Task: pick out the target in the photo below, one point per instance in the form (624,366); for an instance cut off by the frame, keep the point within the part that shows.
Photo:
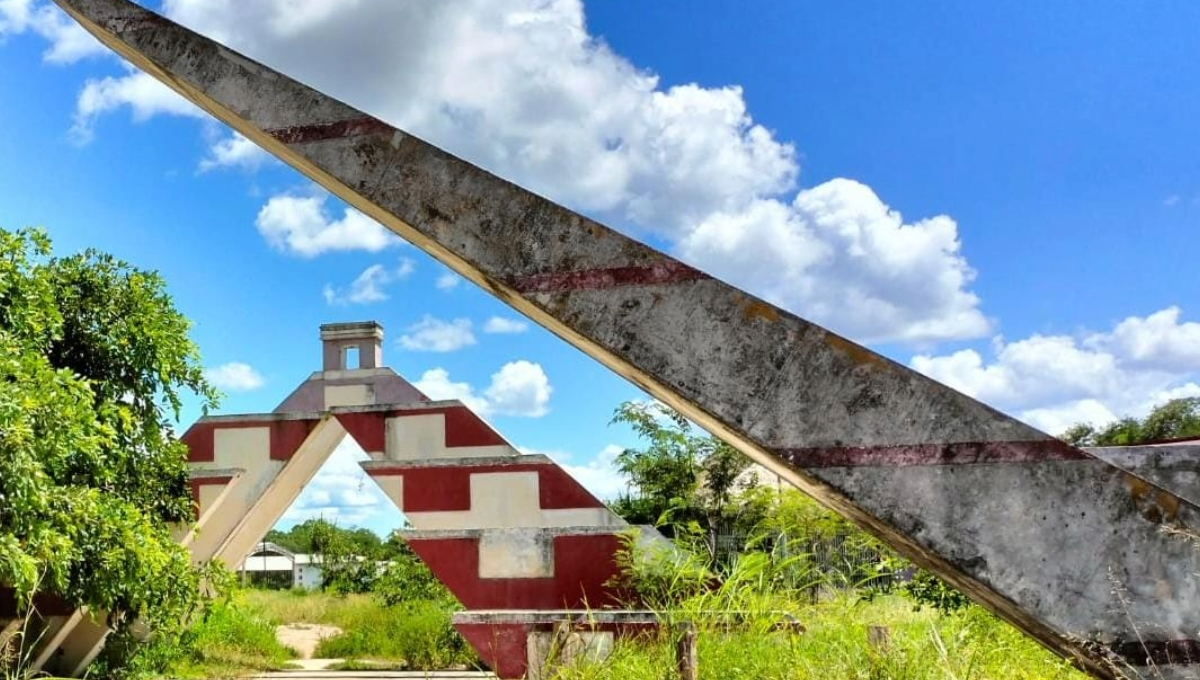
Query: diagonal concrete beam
(1066,546)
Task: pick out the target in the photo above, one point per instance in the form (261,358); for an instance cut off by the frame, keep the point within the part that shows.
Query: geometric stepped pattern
(504,531)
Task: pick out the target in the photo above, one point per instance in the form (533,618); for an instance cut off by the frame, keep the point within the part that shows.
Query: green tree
(680,477)
(1176,419)
(95,362)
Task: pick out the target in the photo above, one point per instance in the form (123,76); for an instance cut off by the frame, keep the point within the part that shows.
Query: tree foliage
(95,362)
(680,477)
(1176,419)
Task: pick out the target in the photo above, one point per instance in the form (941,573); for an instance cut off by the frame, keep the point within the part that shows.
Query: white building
(277,567)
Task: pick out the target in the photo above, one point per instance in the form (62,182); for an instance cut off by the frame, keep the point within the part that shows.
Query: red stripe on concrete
(501,646)
(285,437)
(504,646)
(558,490)
(447,488)
(976,453)
(463,427)
(582,567)
(664,272)
(367,429)
(199,440)
(357,127)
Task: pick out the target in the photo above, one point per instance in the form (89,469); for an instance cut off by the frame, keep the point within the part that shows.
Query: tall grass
(414,635)
(233,638)
(738,615)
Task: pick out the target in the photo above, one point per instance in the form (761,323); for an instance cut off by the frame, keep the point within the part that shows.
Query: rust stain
(859,355)
(760,310)
(1153,503)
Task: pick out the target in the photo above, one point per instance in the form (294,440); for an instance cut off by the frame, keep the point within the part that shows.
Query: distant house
(273,566)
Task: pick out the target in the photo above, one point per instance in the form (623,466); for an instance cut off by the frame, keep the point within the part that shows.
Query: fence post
(685,652)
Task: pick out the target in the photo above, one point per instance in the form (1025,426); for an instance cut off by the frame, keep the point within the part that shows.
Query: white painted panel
(349,395)
(515,554)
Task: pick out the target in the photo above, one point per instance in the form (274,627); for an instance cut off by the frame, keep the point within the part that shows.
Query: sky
(1003,196)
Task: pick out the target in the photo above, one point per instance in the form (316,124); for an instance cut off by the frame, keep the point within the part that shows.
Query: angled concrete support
(1064,545)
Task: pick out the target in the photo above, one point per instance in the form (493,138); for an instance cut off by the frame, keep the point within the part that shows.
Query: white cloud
(1053,382)
(370,285)
(141,93)
(521,88)
(519,388)
(432,334)
(502,325)
(1171,201)
(448,281)
(235,377)
(1157,341)
(841,257)
(234,151)
(302,226)
(68,41)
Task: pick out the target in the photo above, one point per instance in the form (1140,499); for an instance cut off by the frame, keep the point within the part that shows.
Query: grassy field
(922,645)
(237,639)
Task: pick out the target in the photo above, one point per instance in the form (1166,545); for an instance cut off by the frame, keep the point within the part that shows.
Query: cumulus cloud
(1056,381)
(235,377)
(68,41)
(520,388)
(448,281)
(142,94)
(840,256)
(370,286)
(523,89)
(301,225)
(432,334)
(501,325)
(234,151)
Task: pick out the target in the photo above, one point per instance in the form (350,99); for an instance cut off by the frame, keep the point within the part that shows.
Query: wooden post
(880,639)
(685,652)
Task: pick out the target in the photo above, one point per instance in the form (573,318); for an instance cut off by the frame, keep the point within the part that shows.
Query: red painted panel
(558,490)
(582,567)
(199,440)
(445,488)
(504,646)
(464,428)
(287,436)
(501,646)
(366,428)
(437,489)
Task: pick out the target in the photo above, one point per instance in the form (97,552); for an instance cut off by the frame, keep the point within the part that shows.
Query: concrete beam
(1064,545)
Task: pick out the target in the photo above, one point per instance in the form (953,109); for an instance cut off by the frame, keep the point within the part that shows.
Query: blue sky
(1003,196)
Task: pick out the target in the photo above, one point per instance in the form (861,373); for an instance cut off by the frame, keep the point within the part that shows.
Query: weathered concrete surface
(1064,545)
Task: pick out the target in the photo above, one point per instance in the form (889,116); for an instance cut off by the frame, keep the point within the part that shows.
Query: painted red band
(502,646)
(972,453)
(662,272)
(583,565)
(357,127)
(285,436)
(447,488)
(463,427)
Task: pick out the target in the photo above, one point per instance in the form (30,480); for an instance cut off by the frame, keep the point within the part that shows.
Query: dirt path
(304,637)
